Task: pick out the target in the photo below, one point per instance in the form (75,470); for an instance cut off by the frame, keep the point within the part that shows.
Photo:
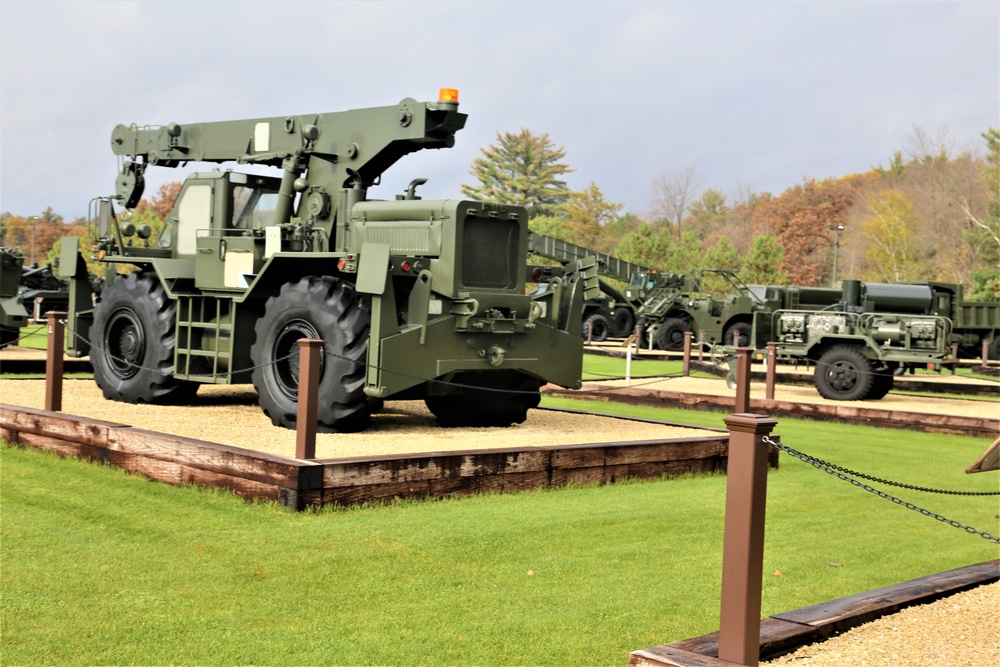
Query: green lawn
(101,567)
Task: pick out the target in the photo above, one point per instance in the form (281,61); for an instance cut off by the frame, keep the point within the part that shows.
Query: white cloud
(759,93)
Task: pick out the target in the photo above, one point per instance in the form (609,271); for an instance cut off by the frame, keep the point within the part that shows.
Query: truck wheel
(597,326)
(743,328)
(624,321)
(489,406)
(670,334)
(132,343)
(993,351)
(844,374)
(9,336)
(313,307)
(881,383)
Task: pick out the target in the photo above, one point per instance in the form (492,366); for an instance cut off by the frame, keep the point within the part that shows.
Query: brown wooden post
(638,339)
(743,543)
(772,362)
(687,353)
(742,380)
(986,352)
(954,358)
(310,350)
(736,337)
(701,345)
(54,361)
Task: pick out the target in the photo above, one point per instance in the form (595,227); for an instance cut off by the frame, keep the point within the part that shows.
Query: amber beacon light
(448,95)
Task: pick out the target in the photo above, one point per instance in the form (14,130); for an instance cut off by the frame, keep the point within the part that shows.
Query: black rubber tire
(462,406)
(745,331)
(993,351)
(624,322)
(596,328)
(9,336)
(132,343)
(844,374)
(881,384)
(670,334)
(314,307)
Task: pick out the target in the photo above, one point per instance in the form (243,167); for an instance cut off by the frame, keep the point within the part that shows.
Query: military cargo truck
(413,298)
(671,304)
(874,332)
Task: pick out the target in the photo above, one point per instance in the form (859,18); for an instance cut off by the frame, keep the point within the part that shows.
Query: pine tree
(521,169)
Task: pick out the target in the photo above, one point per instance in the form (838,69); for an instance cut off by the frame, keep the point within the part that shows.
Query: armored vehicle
(414,298)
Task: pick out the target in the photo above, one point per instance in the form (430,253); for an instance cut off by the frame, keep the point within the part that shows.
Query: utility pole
(836,250)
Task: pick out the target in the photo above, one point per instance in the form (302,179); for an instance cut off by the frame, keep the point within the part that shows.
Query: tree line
(931,214)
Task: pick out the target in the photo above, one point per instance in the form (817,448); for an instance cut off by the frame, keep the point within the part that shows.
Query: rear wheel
(844,374)
(485,398)
(596,328)
(670,334)
(744,331)
(132,343)
(323,308)
(624,321)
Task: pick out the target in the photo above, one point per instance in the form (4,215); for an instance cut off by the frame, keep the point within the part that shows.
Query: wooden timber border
(932,423)
(300,484)
(784,633)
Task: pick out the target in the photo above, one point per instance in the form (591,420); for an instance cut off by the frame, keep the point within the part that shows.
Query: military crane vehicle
(414,298)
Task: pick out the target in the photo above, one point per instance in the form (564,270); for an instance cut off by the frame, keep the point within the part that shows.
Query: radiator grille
(490,253)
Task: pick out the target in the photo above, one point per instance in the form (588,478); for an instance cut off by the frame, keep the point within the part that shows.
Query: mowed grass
(101,567)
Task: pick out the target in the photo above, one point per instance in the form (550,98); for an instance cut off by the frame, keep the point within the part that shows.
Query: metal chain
(163,372)
(21,336)
(879,480)
(344,358)
(835,471)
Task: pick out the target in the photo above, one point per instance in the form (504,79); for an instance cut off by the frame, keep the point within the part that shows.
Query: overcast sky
(756,95)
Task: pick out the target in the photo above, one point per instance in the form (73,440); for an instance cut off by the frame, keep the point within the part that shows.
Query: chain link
(21,336)
(836,472)
(370,366)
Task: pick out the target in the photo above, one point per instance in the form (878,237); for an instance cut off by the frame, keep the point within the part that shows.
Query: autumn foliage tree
(803,218)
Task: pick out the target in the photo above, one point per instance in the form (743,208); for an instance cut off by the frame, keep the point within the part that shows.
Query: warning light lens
(537,273)
(448,95)
(406,266)
(341,264)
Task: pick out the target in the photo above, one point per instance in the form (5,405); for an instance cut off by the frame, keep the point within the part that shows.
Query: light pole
(34,221)
(836,249)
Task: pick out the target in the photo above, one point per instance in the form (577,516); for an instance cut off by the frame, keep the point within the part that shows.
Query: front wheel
(323,308)
(624,321)
(670,334)
(133,340)
(844,374)
(596,328)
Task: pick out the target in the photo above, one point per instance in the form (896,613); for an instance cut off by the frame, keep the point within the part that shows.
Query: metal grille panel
(490,253)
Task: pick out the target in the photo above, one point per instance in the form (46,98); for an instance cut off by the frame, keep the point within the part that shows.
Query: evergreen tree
(763,264)
(521,169)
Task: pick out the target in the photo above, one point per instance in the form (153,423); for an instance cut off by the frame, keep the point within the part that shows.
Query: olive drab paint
(414,298)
